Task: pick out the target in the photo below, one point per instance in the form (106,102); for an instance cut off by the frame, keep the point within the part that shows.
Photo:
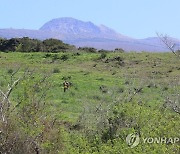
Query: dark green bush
(119,50)
(10,71)
(88,49)
(103,55)
(26,44)
(102,51)
(56,70)
(64,57)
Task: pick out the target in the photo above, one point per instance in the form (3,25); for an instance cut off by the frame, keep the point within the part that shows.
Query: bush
(88,49)
(26,127)
(64,57)
(26,44)
(54,45)
(55,57)
(56,70)
(102,51)
(47,55)
(66,77)
(119,50)
(103,55)
(10,71)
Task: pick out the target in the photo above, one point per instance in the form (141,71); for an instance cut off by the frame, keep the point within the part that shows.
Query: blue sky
(134,18)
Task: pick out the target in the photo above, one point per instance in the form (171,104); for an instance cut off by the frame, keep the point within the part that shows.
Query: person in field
(66,85)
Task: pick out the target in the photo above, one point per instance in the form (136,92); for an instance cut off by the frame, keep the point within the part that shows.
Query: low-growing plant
(64,57)
(56,70)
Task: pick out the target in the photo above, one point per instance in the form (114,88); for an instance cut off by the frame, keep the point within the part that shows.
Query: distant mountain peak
(60,24)
(81,33)
(71,28)
(75,28)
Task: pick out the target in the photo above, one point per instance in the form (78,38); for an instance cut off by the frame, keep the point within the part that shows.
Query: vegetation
(119,50)
(112,94)
(26,44)
(88,49)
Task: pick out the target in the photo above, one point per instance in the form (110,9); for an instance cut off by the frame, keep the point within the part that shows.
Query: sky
(133,18)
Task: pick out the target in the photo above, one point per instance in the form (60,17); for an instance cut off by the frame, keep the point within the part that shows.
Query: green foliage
(29,125)
(103,55)
(105,103)
(26,44)
(64,57)
(10,71)
(88,49)
(54,45)
(56,70)
(103,51)
(119,50)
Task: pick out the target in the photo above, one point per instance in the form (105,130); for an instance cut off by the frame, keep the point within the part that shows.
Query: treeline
(94,50)
(26,44)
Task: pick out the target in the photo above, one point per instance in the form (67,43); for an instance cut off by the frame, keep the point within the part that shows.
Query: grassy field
(112,95)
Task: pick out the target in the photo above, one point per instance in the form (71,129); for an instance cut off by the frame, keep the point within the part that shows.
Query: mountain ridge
(80,34)
(80,29)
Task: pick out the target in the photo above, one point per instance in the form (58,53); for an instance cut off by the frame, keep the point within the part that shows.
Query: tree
(26,44)
(54,45)
(169,43)
(88,49)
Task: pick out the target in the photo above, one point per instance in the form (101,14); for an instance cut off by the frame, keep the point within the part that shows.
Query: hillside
(81,33)
(111,96)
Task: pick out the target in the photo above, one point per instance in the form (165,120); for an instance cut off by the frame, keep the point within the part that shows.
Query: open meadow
(112,95)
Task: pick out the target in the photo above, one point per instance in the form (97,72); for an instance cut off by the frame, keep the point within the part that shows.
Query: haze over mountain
(82,33)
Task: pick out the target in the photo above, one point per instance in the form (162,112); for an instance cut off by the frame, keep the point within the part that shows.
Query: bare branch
(13,74)
(11,87)
(5,103)
(169,44)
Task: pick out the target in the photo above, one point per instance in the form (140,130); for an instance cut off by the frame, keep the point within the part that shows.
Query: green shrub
(119,50)
(26,44)
(10,71)
(56,70)
(103,55)
(64,57)
(88,49)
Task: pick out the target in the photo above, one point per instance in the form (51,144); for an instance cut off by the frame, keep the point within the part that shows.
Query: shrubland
(112,94)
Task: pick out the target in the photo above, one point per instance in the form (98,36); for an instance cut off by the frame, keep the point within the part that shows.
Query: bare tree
(5,103)
(169,43)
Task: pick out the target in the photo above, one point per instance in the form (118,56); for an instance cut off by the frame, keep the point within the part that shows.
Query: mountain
(77,29)
(82,33)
